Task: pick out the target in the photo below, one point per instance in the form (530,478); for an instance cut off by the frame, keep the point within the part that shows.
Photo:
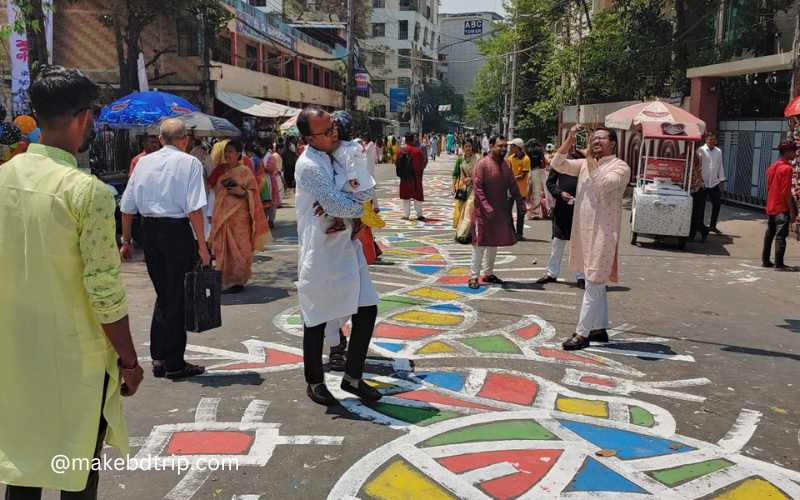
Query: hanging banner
(362,82)
(18,48)
(398,97)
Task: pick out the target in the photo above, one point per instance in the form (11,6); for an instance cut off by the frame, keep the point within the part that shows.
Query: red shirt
(134,161)
(779,187)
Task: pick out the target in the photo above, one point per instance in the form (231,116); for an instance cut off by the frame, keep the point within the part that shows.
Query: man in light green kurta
(63,311)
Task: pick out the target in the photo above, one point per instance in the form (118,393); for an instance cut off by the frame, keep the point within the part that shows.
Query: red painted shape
(453,280)
(210,443)
(607,382)
(277,358)
(273,358)
(389,331)
(532,465)
(529,332)
(430,250)
(432,397)
(509,388)
(566,356)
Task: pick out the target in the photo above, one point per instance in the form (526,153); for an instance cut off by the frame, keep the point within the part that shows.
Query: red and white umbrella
(653,112)
(793,108)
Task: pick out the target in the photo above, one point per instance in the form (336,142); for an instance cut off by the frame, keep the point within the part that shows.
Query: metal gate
(748,148)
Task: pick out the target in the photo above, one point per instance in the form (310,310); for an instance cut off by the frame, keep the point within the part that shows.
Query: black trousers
(520,205)
(777,229)
(360,337)
(90,491)
(714,195)
(698,212)
(170,251)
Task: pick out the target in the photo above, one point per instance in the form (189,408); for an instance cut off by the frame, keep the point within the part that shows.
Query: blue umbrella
(141,109)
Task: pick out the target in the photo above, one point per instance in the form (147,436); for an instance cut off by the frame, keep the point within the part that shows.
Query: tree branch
(161,77)
(158,53)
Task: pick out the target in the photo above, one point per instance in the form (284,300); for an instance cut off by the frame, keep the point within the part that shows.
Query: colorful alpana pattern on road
(498,434)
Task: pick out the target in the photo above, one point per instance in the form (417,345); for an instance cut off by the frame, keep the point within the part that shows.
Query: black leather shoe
(159,370)
(767,263)
(492,279)
(576,343)
(546,279)
(363,391)
(582,284)
(189,370)
(321,395)
(598,335)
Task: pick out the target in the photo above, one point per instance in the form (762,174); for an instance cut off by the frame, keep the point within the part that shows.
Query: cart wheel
(682,243)
(633,238)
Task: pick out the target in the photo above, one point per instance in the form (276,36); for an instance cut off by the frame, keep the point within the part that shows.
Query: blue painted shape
(446,380)
(627,445)
(595,476)
(390,346)
(445,307)
(427,269)
(398,238)
(466,289)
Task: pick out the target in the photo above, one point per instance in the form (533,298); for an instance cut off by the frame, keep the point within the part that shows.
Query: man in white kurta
(333,278)
(602,179)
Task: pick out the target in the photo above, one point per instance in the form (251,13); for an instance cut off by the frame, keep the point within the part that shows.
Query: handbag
(202,299)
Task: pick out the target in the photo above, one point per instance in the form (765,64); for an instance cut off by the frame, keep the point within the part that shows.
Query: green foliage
(435,95)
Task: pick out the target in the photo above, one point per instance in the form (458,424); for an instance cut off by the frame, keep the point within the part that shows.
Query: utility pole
(349,88)
(205,50)
(512,99)
(503,130)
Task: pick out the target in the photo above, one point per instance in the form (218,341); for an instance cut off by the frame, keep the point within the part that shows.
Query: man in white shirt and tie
(168,190)
(713,176)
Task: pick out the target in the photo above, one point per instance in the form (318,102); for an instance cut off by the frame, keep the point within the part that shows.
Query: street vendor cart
(662,204)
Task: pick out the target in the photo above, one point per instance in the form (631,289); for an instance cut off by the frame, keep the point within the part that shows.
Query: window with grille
(378,4)
(222,50)
(188,41)
(404,58)
(288,68)
(273,63)
(379,86)
(378,29)
(303,73)
(327,79)
(315,77)
(416,32)
(251,58)
(404,82)
(425,38)
(402,33)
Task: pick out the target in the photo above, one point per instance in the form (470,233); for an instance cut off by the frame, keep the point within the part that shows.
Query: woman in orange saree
(239,227)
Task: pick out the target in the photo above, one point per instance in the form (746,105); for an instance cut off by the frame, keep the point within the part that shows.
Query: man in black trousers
(168,190)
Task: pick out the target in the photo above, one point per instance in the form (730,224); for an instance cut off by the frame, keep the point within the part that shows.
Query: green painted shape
(676,476)
(408,244)
(294,319)
(494,431)
(391,303)
(640,416)
(414,415)
(494,343)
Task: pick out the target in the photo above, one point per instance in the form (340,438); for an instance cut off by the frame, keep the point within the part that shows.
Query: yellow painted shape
(400,253)
(436,348)
(583,407)
(435,256)
(401,482)
(752,489)
(377,384)
(458,271)
(428,318)
(433,293)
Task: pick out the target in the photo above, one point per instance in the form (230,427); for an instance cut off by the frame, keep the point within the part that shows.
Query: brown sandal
(473,283)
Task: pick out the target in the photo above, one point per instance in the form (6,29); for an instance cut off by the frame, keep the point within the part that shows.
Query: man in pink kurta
(602,179)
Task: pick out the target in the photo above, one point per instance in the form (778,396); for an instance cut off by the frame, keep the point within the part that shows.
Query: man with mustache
(602,179)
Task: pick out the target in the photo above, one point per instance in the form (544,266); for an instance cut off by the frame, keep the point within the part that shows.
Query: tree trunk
(119,39)
(37,38)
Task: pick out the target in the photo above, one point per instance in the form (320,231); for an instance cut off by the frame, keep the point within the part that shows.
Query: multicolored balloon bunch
(18,135)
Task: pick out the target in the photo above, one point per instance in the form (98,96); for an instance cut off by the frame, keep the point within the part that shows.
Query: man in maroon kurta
(411,189)
(492,181)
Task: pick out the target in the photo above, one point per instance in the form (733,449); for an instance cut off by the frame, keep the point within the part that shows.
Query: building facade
(400,56)
(459,54)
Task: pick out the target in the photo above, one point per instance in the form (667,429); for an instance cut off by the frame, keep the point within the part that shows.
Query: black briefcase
(203,292)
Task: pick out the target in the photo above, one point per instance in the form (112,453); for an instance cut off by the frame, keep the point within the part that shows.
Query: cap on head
(518,143)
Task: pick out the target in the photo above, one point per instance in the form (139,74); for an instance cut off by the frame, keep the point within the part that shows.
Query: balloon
(35,136)
(9,134)
(26,123)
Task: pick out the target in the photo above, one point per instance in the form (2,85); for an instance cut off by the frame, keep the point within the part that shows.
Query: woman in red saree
(239,227)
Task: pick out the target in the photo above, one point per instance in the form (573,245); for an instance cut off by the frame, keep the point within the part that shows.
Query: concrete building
(400,57)
(460,34)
